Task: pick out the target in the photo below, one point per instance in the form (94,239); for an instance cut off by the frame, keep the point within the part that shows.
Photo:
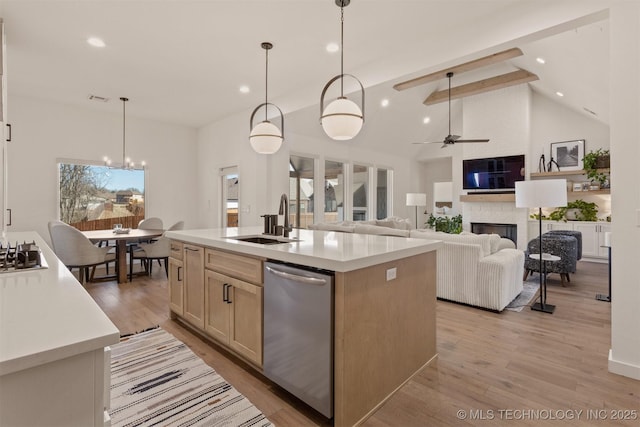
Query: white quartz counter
(328,250)
(46,314)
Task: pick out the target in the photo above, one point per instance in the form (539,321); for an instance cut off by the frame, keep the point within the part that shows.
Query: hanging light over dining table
(126,161)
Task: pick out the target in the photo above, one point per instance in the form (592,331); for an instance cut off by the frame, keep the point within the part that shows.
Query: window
(94,197)
(301,197)
(333,191)
(230,182)
(382,193)
(360,191)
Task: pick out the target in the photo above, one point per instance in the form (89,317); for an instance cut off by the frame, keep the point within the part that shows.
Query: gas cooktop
(21,257)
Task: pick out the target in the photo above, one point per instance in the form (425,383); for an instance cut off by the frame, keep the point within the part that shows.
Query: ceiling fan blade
(453,137)
(472,140)
(427,142)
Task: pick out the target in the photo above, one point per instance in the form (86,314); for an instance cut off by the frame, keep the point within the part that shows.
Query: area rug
(157,380)
(529,290)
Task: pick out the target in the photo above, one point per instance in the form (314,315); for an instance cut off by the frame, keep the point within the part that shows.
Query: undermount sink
(261,240)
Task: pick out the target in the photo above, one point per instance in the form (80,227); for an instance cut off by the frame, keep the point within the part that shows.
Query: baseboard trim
(622,368)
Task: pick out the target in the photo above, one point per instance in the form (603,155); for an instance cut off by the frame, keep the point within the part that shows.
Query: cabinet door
(245,336)
(176,275)
(590,243)
(217,318)
(603,251)
(559,225)
(193,260)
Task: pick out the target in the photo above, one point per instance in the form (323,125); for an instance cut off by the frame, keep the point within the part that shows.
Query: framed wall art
(567,155)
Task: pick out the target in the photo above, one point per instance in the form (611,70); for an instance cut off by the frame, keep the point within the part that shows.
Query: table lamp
(416,199)
(538,194)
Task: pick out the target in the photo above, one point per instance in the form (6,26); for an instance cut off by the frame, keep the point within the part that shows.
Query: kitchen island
(53,366)
(384,302)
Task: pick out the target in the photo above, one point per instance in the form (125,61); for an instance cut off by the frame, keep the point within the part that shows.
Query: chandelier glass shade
(342,119)
(265,137)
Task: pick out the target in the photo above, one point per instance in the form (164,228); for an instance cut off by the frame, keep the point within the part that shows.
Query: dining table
(121,239)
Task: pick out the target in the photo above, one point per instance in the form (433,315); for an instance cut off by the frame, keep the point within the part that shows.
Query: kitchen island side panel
(385,332)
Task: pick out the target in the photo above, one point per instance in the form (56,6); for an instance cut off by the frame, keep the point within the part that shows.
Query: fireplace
(508,231)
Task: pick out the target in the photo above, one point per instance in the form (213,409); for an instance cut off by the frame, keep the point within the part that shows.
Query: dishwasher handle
(302,279)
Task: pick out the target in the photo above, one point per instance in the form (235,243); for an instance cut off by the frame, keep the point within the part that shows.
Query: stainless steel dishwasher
(298,333)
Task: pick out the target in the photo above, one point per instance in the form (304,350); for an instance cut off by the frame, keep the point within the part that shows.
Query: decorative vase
(603,162)
(572,214)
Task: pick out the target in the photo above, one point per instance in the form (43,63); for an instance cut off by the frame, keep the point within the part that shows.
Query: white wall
(553,122)
(263,178)
(624,357)
(44,132)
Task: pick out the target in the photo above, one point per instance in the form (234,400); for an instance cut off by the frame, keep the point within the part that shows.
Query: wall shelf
(481,198)
(562,173)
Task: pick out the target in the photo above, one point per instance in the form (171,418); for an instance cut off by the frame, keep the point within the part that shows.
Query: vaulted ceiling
(184,61)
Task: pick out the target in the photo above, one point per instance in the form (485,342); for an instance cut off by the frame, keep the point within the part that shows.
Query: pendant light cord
(266,84)
(124,154)
(449,75)
(342,49)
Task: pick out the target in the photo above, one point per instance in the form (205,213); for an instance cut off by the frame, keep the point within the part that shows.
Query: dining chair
(75,250)
(152,223)
(177,226)
(147,252)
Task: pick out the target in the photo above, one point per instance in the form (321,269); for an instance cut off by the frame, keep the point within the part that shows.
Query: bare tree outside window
(96,197)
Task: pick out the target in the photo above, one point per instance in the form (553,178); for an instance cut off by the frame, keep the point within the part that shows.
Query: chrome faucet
(284,210)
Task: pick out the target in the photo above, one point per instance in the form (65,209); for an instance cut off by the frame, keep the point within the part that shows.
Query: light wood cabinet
(176,288)
(233,314)
(193,282)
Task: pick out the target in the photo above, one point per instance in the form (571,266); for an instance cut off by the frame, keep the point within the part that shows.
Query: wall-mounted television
(493,174)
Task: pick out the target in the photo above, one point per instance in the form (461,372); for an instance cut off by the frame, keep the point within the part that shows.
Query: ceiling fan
(451,139)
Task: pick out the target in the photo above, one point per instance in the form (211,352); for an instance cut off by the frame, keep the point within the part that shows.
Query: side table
(542,305)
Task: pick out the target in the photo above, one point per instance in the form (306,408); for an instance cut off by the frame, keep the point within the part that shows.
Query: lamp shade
(265,138)
(416,199)
(342,119)
(548,193)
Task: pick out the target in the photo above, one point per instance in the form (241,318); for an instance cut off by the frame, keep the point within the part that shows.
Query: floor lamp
(416,199)
(549,193)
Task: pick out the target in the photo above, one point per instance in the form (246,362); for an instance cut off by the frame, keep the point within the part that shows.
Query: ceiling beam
(467,66)
(481,86)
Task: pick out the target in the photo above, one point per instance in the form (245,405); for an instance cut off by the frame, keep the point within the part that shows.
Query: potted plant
(594,162)
(451,225)
(577,210)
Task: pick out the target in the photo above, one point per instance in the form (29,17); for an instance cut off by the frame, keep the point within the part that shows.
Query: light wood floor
(509,368)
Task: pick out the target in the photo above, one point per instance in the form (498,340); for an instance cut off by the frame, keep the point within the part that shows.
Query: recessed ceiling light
(426,120)
(244,89)
(540,60)
(333,47)
(384,102)
(560,94)
(96,42)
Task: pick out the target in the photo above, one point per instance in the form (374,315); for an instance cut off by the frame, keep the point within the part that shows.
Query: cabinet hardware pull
(179,278)
(224,292)
(9,210)
(228,297)
(191,249)
(9,138)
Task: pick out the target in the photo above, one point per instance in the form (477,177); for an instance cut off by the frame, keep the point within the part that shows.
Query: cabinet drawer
(176,249)
(238,266)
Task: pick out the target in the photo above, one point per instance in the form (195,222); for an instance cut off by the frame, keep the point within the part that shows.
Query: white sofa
(482,270)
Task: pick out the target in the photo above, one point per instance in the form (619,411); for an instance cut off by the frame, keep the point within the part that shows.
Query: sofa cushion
(332,226)
(483,240)
(394,222)
(382,231)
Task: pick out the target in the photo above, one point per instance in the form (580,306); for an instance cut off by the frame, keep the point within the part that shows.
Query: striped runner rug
(157,380)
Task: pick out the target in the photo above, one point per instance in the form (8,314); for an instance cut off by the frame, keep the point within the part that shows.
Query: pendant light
(343,118)
(126,161)
(265,137)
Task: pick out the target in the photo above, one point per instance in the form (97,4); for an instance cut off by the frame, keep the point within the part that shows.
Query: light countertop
(328,250)
(46,314)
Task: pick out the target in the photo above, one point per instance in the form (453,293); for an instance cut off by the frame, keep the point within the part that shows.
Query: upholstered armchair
(565,247)
(576,234)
